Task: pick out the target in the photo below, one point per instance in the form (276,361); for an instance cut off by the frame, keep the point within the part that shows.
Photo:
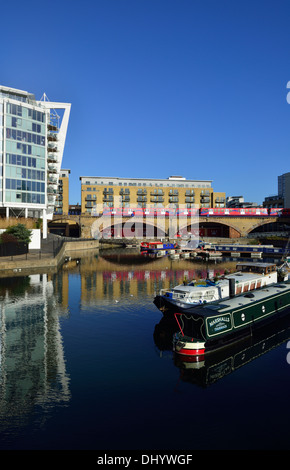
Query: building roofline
(147,179)
(14,90)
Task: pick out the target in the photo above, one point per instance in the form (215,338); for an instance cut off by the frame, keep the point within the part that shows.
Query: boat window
(209,294)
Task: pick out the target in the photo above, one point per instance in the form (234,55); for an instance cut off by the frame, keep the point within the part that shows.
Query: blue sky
(161,87)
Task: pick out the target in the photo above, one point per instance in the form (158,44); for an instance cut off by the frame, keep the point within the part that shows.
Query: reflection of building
(31,355)
(109,278)
(282,199)
(62,197)
(174,191)
(31,149)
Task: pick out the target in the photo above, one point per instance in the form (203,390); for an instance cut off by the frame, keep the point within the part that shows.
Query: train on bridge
(202,212)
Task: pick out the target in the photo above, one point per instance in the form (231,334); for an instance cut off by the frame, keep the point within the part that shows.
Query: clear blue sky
(160,87)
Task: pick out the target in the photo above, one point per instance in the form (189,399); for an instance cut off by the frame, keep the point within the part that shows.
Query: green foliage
(38,223)
(20,232)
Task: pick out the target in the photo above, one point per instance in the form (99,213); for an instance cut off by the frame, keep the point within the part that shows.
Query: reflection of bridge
(152,227)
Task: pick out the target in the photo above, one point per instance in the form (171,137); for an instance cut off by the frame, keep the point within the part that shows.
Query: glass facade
(1,151)
(32,140)
(25,155)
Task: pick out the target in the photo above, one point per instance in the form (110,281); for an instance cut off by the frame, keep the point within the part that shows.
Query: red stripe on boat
(191,352)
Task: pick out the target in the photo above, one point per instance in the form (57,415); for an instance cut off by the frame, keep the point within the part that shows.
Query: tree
(20,232)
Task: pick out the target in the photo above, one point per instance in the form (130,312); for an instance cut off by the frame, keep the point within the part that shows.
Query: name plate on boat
(219,324)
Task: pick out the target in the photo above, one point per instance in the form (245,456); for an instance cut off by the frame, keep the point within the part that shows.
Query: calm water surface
(86,363)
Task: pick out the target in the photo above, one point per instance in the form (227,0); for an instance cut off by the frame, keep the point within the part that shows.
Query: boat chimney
(232,287)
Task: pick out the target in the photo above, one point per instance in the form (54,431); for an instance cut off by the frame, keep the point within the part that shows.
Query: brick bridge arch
(91,226)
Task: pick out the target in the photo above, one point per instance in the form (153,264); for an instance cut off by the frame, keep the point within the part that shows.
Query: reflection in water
(208,369)
(115,274)
(95,319)
(32,368)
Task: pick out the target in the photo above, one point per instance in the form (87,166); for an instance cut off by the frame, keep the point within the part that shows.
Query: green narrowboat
(211,327)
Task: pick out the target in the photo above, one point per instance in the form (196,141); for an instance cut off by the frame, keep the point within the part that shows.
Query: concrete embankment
(43,262)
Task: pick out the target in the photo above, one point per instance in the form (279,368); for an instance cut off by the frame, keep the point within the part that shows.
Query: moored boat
(216,326)
(154,247)
(206,251)
(248,277)
(210,368)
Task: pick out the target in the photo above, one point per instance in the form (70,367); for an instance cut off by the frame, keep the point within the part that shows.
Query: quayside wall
(24,266)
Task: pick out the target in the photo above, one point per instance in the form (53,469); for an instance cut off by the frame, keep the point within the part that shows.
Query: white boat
(249,276)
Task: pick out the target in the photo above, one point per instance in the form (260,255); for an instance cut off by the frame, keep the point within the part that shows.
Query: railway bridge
(86,226)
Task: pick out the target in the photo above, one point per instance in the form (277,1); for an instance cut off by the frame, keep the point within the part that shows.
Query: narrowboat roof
(256,265)
(238,276)
(238,301)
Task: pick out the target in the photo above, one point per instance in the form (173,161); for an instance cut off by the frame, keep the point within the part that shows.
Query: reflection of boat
(211,327)
(206,252)
(213,367)
(174,256)
(154,247)
(185,297)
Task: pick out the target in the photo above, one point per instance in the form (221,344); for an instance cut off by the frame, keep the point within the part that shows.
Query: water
(86,363)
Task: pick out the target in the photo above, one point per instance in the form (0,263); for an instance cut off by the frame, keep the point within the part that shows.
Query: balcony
(51,157)
(51,191)
(52,181)
(51,137)
(52,127)
(52,169)
(157,199)
(52,147)
(157,192)
(220,200)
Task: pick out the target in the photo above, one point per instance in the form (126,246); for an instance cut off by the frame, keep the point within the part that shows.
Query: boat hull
(227,323)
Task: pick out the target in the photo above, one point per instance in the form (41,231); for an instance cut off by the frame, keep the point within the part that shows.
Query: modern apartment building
(175,191)
(62,198)
(282,199)
(32,139)
(284,188)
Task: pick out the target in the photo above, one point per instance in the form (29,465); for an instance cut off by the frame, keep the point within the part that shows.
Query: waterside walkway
(52,254)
